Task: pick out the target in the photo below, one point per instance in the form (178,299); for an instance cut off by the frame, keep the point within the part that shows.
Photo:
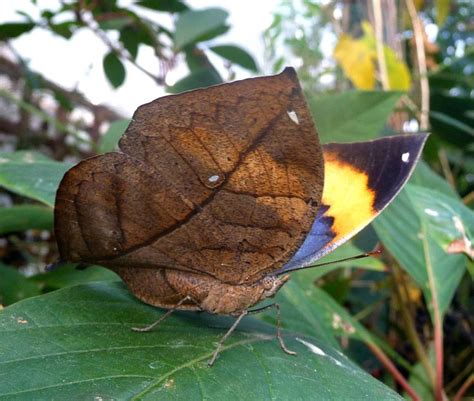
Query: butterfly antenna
(377,251)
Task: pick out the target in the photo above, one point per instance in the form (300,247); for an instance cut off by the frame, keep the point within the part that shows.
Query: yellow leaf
(442,11)
(398,73)
(399,77)
(355,58)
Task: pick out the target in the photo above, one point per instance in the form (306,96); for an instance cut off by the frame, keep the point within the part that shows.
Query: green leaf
(68,275)
(30,175)
(14,29)
(352,116)
(172,6)
(426,177)
(109,141)
(404,231)
(23,217)
(236,55)
(64,29)
(448,221)
(197,79)
(192,25)
(130,40)
(114,69)
(116,23)
(14,286)
(82,335)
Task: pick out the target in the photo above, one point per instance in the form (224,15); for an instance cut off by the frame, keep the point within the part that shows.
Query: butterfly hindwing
(361,179)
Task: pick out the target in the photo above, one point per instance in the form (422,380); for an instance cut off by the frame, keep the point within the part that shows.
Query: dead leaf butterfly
(217,193)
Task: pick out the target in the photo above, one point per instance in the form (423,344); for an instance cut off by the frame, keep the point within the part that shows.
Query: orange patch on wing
(347,193)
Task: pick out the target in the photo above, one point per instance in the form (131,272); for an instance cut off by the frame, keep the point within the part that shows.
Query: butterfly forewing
(224,180)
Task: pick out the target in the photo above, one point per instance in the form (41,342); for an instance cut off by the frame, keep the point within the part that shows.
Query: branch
(117,50)
(418,34)
(378,26)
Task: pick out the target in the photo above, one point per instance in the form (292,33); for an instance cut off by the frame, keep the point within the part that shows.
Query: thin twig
(443,159)
(421,61)
(378,26)
(388,364)
(468,383)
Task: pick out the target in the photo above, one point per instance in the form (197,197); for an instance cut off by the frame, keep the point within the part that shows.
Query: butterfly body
(165,288)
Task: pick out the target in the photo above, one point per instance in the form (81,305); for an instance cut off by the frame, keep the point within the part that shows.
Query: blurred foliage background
(369,68)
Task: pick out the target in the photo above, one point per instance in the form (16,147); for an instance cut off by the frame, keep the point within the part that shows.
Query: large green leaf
(352,116)
(23,217)
(406,228)
(193,25)
(31,175)
(78,342)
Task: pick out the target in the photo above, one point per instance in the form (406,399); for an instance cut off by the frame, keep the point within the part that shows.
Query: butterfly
(217,194)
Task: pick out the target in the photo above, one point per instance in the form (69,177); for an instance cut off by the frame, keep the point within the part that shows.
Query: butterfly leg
(225,337)
(169,312)
(279,336)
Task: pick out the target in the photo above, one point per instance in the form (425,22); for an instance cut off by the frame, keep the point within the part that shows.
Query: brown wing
(224,180)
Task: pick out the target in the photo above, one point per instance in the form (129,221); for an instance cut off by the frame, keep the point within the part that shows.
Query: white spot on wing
(406,157)
(431,212)
(213,178)
(293,116)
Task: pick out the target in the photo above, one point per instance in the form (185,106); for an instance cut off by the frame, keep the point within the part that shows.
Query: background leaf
(91,327)
(23,217)
(197,79)
(236,55)
(114,69)
(31,175)
(14,29)
(193,25)
(109,141)
(14,286)
(352,116)
(67,275)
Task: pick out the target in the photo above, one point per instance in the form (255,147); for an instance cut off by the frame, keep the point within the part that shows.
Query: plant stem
(378,18)
(443,159)
(385,361)
(421,61)
(409,324)
(437,322)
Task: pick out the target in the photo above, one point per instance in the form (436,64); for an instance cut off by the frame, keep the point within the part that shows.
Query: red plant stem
(438,344)
(385,361)
(468,383)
